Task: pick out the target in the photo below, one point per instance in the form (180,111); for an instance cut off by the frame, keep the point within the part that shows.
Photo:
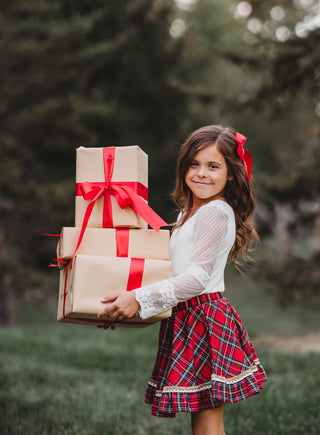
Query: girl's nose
(202,171)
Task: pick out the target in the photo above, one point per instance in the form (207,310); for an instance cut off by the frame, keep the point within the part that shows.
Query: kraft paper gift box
(108,242)
(94,169)
(93,277)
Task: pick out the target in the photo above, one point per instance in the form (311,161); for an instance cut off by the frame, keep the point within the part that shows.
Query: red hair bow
(244,154)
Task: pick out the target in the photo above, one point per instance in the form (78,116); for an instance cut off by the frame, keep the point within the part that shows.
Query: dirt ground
(295,344)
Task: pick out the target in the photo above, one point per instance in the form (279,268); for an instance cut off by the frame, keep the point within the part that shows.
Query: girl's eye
(213,167)
(194,164)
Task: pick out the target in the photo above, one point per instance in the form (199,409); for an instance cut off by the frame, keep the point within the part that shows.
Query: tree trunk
(317,228)
(6,303)
(283,215)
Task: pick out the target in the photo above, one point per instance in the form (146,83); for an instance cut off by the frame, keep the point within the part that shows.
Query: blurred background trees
(147,72)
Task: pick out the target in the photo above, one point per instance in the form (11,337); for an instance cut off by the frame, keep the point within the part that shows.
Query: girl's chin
(207,198)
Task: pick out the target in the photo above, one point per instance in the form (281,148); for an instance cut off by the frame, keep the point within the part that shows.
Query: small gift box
(93,277)
(114,242)
(114,180)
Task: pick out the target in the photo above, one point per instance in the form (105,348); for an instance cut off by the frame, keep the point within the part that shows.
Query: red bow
(244,154)
(124,194)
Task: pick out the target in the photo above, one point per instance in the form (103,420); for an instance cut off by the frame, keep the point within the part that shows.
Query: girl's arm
(209,233)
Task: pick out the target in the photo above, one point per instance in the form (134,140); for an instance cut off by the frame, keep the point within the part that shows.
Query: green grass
(257,307)
(71,379)
(67,379)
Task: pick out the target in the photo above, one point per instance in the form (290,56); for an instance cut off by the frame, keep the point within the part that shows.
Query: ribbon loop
(93,192)
(244,154)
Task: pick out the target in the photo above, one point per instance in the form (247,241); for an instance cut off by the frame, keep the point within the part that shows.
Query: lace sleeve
(209,232)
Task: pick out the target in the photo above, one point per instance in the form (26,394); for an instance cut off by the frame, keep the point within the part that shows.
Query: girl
(205,357)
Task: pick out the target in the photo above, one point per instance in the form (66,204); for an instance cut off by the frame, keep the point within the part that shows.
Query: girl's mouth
(201,183)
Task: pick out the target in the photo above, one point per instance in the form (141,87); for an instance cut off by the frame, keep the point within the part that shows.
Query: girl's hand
(121,305)
(112,327)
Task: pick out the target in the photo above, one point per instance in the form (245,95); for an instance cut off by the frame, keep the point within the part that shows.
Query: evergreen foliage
(83,73)
(79,73)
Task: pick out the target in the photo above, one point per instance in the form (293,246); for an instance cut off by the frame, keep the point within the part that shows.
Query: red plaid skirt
(205,357)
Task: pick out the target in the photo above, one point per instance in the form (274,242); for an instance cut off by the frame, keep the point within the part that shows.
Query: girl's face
(207,175)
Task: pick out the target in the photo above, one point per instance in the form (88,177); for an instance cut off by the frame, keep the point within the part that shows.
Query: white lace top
(199,251)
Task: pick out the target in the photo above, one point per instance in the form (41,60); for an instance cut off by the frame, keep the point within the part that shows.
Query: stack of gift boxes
(110,248)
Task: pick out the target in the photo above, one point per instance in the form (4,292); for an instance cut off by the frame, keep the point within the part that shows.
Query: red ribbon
(136,264)
(135,273)
(57,262)
(125,196)
(122,241)
(51,235)
(60,262)
(134,280)
(244,154)
(65,290)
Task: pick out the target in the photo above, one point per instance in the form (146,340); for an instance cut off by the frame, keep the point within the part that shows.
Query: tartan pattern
(205,357)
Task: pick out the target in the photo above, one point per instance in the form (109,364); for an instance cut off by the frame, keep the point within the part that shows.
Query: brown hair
(237,190)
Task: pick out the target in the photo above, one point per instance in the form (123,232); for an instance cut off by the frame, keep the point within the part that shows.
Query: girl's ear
(229,175)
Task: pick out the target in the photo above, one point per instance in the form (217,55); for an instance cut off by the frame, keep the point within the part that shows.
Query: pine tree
(77,73)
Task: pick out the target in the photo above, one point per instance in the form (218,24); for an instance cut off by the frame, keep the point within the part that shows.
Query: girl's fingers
(116,316)
(120,305)
(112,327)
(111,312)
(108,310)
(110,298)
(107,299)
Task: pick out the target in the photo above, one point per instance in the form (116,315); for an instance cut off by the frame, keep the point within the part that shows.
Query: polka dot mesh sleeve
(209,233)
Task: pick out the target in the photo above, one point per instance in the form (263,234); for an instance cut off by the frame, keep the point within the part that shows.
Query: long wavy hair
(237,191)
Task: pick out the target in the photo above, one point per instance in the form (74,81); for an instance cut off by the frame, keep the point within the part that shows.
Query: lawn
(70,379)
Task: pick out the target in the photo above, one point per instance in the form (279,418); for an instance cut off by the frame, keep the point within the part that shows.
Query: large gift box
(114,242)
(114,181)
(93,277)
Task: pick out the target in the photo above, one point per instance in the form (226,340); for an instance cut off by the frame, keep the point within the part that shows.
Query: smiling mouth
(202,184)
